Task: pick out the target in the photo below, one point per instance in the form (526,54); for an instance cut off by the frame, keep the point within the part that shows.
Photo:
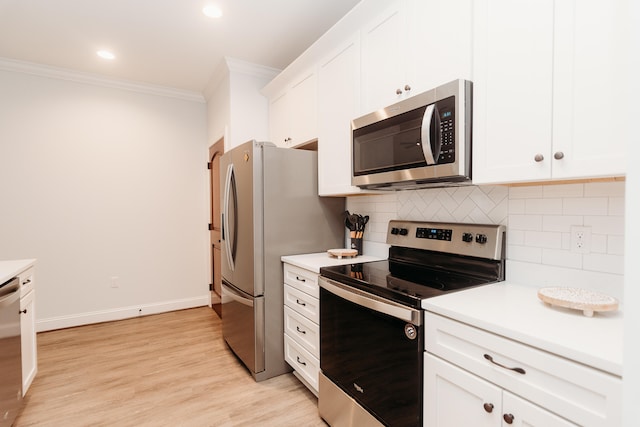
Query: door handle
(225,217)
(430,156)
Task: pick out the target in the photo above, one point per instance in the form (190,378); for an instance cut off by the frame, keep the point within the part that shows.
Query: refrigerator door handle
(236,296)
(225,217)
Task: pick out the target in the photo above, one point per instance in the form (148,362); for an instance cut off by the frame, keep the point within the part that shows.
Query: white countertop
(515,311)
(11,268)
(313,262)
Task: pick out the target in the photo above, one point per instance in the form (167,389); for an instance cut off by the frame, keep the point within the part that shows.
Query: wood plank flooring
(170,369)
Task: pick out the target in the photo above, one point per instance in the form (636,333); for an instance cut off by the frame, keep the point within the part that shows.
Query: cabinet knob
(538,158)
(23,311)
(398,91)
(508,418)
(407,88)
(488,407)
(558,155)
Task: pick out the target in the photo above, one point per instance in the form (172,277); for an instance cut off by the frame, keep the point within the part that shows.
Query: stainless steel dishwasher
(10,352)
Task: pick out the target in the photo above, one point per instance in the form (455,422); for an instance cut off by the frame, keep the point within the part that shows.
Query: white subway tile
(376,237)
(543,206)
(615,245)
(526,222)
(515,237)
(585,206)
(477,216)
(543,239)
(482,200)
(516,206)
(604,263)
(604,189)
(599,243)
(566,241)
(447,201)
(525,191)
(459,194)
(389,207)
(560,223)
(563,190)
(561,258)
(464,209)
(524,253)
(500,213)
(498,193)
(616,206)
(605,224)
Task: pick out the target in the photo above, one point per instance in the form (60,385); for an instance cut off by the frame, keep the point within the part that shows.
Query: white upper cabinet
(385,58)
(441,42)
(338,100)
(547,90)
(414,46)
(293,113)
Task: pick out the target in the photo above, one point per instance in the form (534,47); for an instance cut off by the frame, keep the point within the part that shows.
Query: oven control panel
(479,240)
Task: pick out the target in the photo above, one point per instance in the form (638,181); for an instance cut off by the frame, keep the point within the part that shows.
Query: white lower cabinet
(474,377)
(301,324)
(454,397)
(29,346)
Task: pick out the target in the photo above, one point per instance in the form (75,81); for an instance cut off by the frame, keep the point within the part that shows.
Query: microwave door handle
(425,134)
(225,216)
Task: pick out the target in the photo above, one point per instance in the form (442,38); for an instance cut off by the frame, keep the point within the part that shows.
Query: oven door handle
(372,302)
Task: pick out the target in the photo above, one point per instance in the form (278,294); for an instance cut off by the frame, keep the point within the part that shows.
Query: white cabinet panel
(384,58)
(512,71)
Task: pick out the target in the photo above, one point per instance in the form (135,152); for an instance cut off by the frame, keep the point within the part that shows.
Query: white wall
(99,182)
(538,220)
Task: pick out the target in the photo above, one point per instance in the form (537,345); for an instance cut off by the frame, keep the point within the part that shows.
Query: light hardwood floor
(170,369)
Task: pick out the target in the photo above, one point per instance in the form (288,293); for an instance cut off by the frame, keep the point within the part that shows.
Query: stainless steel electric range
(371,322)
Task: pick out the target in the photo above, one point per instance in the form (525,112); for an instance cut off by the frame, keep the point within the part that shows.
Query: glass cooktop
(400,283)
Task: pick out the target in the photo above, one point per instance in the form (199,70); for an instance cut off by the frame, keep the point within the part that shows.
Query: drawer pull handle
(300,361)
(518,370)
(23,311)
(300,280)
(300,303)
(488,407)
(26,282)
(508,418)
(300,330)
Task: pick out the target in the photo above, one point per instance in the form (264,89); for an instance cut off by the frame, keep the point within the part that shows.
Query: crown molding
(228,65)
(14,65)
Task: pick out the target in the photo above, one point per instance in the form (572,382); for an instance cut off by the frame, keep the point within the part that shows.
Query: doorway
(215,152)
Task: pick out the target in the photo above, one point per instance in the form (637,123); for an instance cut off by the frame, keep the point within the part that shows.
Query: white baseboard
(80,319)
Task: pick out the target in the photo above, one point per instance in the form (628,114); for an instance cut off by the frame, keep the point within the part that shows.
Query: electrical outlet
(580,239)
(115,282)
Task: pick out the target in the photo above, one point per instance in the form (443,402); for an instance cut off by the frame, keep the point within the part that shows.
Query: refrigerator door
(242,217)
(243,326)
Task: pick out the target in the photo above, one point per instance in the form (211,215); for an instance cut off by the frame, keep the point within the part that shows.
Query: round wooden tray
(578,299)
(339,253)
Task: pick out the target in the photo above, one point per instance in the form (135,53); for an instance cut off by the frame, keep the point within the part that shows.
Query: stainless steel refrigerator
(270,208)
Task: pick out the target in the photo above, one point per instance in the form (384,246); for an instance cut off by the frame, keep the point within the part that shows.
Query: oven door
(371,348)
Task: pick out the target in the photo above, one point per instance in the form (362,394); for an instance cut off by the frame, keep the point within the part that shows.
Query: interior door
(215,226)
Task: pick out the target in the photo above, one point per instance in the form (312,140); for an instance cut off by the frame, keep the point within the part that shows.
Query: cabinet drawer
(303,330)
(304,280)
(574,391)
(302,303)
(302,361)
(26,281)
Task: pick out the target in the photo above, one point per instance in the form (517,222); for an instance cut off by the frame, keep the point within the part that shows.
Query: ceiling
(162,42)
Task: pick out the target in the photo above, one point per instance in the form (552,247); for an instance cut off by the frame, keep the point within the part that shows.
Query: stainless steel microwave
(422,141)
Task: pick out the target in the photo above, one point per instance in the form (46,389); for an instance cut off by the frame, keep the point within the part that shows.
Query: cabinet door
(303,110)
(338,98)
(512,72)
(384,59)
(279,132)
(440,41)
(453,397)
(29,345)
(525,414)
(590,89)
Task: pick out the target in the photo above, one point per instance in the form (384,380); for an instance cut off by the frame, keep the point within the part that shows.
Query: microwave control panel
(446,112)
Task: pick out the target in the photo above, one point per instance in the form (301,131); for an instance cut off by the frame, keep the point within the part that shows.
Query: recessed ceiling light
(212,11)
(105,54)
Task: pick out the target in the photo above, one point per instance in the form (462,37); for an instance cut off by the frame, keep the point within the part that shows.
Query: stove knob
(395,230)
(481,238)
(404,231)
(467,237)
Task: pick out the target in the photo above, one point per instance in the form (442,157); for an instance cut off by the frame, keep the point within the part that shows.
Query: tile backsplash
(539,220)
